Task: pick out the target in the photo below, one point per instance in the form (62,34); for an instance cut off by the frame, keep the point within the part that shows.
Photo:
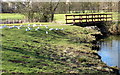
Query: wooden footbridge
(88,19)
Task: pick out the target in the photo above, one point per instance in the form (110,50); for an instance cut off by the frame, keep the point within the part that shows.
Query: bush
(40,17)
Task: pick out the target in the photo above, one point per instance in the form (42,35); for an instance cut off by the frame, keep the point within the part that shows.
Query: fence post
(111,17)
(99,17)
(79,18)
(73,19)
(103,17)
(86,17)
(106,17)
(92,17)
(66,18)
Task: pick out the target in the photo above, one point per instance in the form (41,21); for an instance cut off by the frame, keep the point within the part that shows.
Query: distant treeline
(63,7)
(44,11)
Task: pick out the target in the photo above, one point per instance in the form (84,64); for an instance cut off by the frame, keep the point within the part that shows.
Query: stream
(110,51)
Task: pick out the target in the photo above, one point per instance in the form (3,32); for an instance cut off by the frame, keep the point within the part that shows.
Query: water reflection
(110,51)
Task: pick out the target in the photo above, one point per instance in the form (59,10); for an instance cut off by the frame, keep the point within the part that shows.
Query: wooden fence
(87,18)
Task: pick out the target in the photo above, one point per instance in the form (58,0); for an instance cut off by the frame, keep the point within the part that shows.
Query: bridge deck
(88,18)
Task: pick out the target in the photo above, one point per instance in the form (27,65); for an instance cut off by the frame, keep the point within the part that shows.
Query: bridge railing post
(100,17)
(92,17)
(73,19)
(80,19)
(97,17)
(106,17)
(103,17)
(66,18)
(86,18)
(111,17)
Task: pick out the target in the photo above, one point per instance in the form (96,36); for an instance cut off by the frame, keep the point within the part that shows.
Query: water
(110,51)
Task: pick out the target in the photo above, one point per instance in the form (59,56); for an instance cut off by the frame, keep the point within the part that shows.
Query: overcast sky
(64,0)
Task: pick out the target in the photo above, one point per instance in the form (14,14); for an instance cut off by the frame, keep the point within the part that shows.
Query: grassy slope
(65,51)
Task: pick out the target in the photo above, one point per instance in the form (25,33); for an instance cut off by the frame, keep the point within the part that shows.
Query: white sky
(64,0)
(13,0)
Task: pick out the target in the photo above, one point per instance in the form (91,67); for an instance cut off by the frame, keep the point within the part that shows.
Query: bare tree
(45,10)
(53,7)
(27,9)
(38,10)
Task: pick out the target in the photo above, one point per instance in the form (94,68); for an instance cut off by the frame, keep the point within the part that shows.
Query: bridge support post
(66,18)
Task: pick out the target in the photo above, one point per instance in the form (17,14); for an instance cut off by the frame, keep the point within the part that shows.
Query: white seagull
(18,28)
(51,29)
(4,26)
(28,24)
(36,29)
(34,25)
(10,27)
(21,25)
(57,29)
(1,27)
(46,26)
(40,25)
(14,26)
(27,30)
(46,32)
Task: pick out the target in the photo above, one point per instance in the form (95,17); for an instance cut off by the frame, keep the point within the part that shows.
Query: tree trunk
(52,16)
(53,9)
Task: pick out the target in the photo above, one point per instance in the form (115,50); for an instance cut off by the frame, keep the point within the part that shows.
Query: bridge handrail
(87,14)
(89,17)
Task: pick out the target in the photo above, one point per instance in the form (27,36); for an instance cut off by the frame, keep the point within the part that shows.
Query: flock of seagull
(29,27)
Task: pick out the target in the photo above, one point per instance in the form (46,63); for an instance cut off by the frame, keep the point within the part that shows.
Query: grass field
(59,18)
(13,16)
(67,51)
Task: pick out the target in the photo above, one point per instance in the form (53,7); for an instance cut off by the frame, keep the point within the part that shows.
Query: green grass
(13,16)
(43,23)
(67,51)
